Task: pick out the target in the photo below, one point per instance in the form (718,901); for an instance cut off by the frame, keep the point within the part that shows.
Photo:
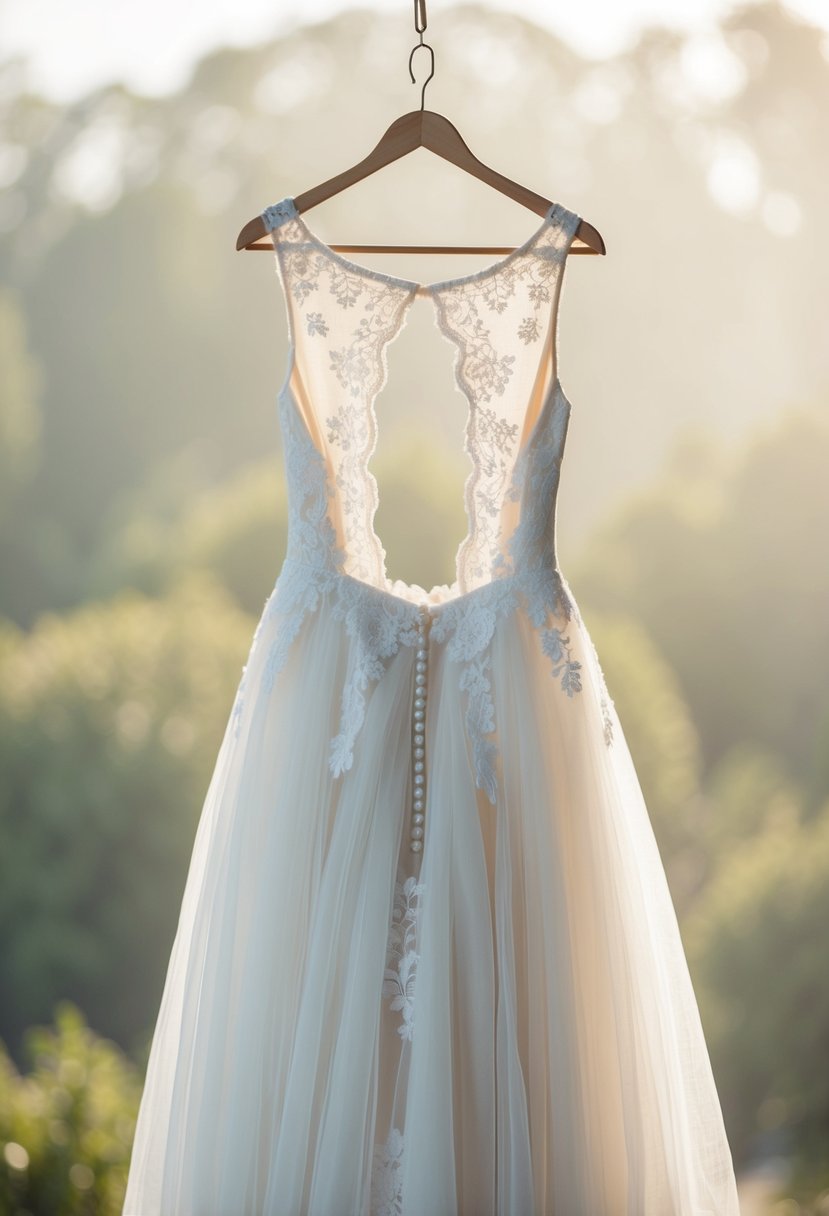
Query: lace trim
(377,620)
(376,624)
(481,373)
(519,281)
(605,700)
(286,210)
(398,989)
(354,427)
(386,1175)
(359,366)
(402,956)
(467,625)
(377,628)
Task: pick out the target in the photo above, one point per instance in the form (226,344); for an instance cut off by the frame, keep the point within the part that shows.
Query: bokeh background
(142,501)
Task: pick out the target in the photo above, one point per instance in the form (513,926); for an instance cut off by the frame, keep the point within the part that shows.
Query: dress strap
(279,213)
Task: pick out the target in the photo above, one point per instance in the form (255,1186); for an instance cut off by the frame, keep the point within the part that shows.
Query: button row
(419,732)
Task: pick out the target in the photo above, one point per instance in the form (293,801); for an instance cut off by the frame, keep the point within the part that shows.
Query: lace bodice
(502,321)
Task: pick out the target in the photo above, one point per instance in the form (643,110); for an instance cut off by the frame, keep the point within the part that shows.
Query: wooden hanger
(420,129)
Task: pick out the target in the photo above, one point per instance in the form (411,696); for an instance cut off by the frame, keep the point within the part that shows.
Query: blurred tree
(25,544)
(746,792)
(728,579)
(67,1126)
(758,947)
(110,721)
(238,530)
(238,533)
(235,531)
(120,212)
(420,518)
(20,386)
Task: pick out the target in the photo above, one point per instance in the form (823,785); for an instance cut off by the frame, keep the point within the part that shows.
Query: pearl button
(420,694)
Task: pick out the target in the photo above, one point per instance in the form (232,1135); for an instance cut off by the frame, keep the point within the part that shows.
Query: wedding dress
(427,962)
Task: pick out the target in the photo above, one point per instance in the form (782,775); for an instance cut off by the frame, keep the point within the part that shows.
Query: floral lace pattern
(332,548)
(402,957)
(354,375)
(386,1192)
(482,372)
(398,989)
(467,626)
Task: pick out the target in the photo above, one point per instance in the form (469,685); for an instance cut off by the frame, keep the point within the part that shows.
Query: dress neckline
(556,212)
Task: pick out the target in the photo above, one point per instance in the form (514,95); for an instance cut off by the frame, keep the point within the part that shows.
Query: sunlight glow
(733,177)
(297,78)
(781,213)
(711,67)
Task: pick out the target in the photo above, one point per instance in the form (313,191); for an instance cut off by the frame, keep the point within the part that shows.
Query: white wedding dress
(427,961)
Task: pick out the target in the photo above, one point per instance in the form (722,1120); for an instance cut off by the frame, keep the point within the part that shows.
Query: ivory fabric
(427,961)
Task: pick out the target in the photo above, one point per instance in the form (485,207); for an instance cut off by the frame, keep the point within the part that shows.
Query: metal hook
(420,26)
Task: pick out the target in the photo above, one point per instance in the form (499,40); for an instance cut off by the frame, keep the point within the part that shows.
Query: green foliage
(758,946)
(235,531)
(20,385)
(421,518)
(110,720)
(134,457)
(747,793)
(807,1186)
(66,1127)
(24,547)
(238,533)
(730,584)
(238,530)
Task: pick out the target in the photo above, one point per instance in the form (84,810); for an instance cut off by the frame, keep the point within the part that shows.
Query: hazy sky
(151,44)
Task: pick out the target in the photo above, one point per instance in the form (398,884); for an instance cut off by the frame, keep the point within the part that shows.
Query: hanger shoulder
(427,129)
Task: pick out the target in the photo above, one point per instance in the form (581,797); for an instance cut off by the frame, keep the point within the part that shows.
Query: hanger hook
(420,26)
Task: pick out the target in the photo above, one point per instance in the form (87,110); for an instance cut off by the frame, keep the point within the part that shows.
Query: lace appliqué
(480,722)
(557,647)
(359,366)
(386,1188)
(316,324)
(398,988)
(378,621)
(377,626)
(468,624)
(402,956)
(605,700)
(481,373)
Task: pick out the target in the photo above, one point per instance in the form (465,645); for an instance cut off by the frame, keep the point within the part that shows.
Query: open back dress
(427,962)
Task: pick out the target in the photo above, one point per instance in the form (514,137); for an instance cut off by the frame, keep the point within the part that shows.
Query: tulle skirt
(500,1025)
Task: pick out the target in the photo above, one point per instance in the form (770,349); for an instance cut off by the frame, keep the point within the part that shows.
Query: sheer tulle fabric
(501,1024)
(556,1062)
